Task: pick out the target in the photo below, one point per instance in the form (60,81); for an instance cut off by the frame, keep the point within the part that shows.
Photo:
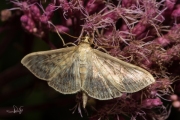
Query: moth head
(87,39)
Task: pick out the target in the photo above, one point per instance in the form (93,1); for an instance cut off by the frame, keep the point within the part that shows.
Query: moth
(82,68)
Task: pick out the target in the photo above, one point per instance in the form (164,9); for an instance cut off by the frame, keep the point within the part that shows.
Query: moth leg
(99,47)
(70,43)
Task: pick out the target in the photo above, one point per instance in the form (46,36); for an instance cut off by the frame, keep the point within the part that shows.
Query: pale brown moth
(82,68)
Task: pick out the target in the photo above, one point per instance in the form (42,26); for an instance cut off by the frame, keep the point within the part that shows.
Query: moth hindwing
(82,68)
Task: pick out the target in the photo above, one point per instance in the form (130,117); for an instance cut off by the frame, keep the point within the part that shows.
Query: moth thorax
(84,49)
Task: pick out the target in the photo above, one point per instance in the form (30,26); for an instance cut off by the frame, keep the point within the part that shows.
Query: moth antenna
(80,36)
(65,33)
(62,32)
(57,32)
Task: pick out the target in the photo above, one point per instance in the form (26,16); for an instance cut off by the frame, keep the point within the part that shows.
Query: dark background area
(20,88)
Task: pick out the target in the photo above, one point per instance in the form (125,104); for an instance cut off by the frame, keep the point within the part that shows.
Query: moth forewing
(44,64)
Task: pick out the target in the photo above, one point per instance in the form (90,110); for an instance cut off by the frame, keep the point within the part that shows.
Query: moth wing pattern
(96,85)
(58,67)
(127,77)
(111,77)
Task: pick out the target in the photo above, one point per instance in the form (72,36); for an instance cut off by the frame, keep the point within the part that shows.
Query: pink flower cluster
(142,32)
